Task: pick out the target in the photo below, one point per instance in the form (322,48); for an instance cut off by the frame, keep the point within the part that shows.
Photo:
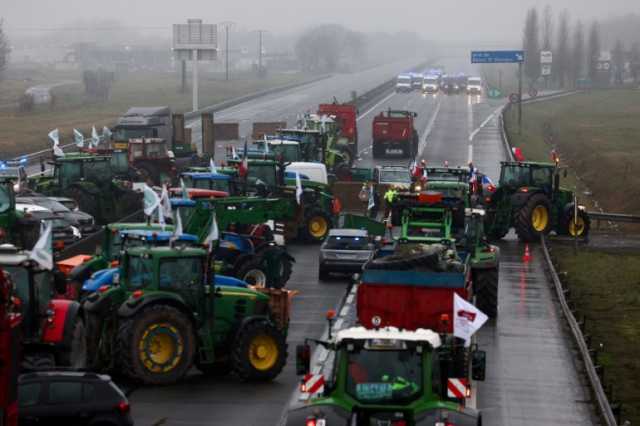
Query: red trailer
(394,134)
(346,115)
(10,355)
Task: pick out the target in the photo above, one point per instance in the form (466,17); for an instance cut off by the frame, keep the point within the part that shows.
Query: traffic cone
(527,254)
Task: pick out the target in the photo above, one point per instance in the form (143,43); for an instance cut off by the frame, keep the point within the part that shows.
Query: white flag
(184,190)
(372,199)
(266,145)
(78,138)
(299,190)
(177,222)
(54,135)
(42,252)
(151,200)
(214,234)
(95,139)
(106,134)
(467,319)
(165,202)
(212,167)
(234,154)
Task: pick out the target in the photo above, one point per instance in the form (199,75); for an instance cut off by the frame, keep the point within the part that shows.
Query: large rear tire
(253,272)
(534,218)
(486,291)
(573,228)
(260,352)
(316,226)
(156,346)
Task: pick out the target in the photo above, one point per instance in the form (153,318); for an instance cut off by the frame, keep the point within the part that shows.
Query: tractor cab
(82,167)
(218,182)
(384,376)
(282,149)
(523,176)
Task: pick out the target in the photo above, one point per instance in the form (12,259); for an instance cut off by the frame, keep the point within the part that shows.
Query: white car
(474,86)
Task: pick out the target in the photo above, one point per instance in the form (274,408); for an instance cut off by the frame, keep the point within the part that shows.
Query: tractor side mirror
(59,282)
(303,359)
(478,365)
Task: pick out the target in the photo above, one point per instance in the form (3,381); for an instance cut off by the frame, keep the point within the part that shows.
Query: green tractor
(163,316)
(90,180)
(16,227)
(387,376)
(530,199)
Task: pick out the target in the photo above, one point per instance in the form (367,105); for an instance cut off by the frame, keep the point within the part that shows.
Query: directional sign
(494,93)
(546,57)
(497,57)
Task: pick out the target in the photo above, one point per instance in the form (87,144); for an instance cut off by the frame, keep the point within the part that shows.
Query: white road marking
(364,114)
(484,123)
(429,127)
(470,154)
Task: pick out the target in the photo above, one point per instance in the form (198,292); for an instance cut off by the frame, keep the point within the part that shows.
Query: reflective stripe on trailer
(457,388)
(312,384)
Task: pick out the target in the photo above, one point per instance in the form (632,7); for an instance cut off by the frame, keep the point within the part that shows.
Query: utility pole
(520,77)
(260,33)
(227,25)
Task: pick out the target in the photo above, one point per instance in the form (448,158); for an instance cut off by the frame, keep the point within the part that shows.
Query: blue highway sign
(497,57)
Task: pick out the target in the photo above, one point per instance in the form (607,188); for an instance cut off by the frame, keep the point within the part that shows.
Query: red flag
(517,153)
(244,166)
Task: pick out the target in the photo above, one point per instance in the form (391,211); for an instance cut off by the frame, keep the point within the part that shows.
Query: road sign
(497,57)
(514,98)
(533,92)
(546,57)
(546,70)
(494,93)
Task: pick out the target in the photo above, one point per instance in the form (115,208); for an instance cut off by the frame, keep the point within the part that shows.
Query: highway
(532,378)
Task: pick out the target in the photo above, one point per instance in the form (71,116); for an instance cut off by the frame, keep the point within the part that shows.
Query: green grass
(598,136)
(26,132)
(605,287)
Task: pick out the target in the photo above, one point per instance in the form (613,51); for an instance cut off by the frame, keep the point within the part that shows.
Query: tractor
(163,316)
(89,179)
(53,329)
(10,352)
(386,376)
(530,199)
(16,226)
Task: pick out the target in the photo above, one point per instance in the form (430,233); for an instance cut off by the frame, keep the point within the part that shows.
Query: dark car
(81,220)
(71,398)
(64,232)
(345,251)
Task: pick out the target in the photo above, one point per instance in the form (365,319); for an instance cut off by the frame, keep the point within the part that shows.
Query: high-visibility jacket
(390,195)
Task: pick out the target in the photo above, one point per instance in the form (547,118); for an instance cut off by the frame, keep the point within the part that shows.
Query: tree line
(576,48)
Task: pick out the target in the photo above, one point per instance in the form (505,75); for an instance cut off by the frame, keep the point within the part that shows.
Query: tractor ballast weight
(530,199)
(164,316)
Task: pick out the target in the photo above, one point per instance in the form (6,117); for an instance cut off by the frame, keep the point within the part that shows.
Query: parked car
(81,220)
(69,203)
(344,251)
(71,398)
(398,176)
(64,232)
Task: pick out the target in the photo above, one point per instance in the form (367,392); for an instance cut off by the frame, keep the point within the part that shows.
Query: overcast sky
(434,19)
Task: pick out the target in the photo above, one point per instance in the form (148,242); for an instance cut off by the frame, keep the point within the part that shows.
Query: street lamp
(226,25)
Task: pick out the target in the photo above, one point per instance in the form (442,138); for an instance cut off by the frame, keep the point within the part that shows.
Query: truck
(10,352)
(404,83)
(394,133)
(385,376)
(164,316)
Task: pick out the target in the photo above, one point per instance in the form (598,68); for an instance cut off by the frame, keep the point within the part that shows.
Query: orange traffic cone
(527,254)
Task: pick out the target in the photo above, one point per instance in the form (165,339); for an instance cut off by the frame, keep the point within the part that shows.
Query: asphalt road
(531,375)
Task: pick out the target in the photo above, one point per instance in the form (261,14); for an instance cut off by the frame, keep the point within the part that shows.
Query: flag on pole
(214,234)
(106,134)
(299,190)
(183,189)
(95,139)
(212,166)
(467,319)
(54,135)
(150,199)
(372,199)
(266,145)
(424,174)
(78,138)
(42,252)
(244,166)
(413,167)
(165,202)
(517,153)
(177,221)
(234,154)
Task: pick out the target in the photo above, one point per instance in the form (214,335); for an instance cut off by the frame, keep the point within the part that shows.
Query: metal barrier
(596,385)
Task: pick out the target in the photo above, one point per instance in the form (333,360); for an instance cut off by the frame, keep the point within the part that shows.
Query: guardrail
(594,379)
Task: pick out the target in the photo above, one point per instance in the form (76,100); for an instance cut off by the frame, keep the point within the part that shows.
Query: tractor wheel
(534,218)
(254,273)
(75,356)
(94,334)
(156,346)
(347,156)
(486,291)
(579,228)
(317,226)
(260,352)
(284,272)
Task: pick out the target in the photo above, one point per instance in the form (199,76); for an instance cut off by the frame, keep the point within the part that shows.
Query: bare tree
(547,28)
(618,58)
(562,58)
(593,50)
(5,49)
(576,67)
(531,46)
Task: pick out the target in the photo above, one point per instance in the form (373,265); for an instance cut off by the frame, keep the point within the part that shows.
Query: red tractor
(346,115)
(10,347)
(394,134)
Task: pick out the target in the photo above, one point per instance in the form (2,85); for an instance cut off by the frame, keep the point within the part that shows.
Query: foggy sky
(455,20)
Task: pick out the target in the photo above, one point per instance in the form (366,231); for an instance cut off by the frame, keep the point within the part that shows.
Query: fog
(452,20)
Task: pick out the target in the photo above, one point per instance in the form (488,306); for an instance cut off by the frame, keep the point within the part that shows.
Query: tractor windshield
(126,133)
(384,376)
(212,184)
(5,197)
(288,152)
(139,272)
(515,176)
(181,273)
(69,172)
(395,176)
(119,162)
(265,173)
(97,171)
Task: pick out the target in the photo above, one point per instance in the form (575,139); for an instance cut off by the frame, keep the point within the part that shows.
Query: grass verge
(27,132)
(604,286)
(597,134)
